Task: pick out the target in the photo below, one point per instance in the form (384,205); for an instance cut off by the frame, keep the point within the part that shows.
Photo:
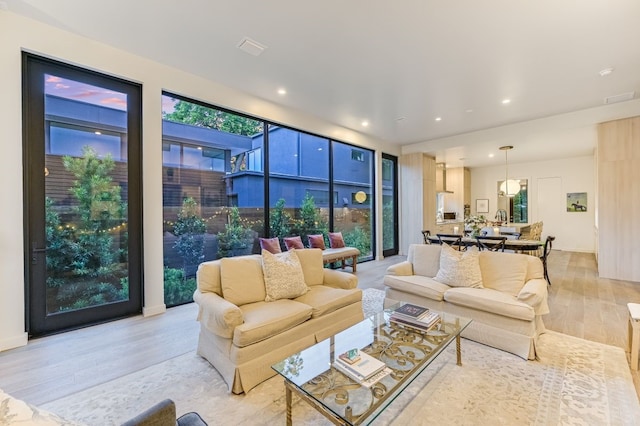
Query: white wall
(573,231)
(17,34)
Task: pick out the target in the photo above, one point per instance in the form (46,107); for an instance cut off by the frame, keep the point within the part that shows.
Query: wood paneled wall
(619,199)
(417,197)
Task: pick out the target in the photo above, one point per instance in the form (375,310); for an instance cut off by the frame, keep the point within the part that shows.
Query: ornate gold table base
(290,388)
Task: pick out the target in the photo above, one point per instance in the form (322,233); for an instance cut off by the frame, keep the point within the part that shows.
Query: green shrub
(190,229)
(236,239)
(177,288)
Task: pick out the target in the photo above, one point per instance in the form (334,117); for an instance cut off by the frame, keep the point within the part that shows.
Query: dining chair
(491,242)
(425,236)
(545,254)
(454,240)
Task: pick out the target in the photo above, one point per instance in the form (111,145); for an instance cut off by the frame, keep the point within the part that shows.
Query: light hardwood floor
(49,368)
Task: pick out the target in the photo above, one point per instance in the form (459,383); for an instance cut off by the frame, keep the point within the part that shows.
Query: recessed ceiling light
(491,155)
(438,118)
(506,101)
(468,110)
(98,132)
(282,91)
(365,123)
(605,72)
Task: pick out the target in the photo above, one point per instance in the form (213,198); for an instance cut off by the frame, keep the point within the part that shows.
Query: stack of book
(359,365)
(414,316)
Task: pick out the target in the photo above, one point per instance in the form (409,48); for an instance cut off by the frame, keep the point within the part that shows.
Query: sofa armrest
(218,315)
(338,279)
(534,293)
(404,268)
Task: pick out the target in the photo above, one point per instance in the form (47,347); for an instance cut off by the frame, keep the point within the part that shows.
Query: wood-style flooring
(52,367)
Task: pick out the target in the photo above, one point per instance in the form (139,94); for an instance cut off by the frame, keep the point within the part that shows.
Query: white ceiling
(374,60)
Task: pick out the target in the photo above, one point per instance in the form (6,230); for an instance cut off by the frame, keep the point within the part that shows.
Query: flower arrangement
(475,223)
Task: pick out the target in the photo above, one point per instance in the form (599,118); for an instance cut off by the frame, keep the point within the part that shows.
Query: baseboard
(14,342)
(149,311)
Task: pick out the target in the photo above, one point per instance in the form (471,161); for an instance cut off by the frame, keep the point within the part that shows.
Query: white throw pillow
(283,277)
(459,268)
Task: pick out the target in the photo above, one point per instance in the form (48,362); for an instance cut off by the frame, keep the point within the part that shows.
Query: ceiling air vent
(619,98)
(251,47)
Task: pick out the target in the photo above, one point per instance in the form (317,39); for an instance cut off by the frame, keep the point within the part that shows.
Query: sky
(82,92)
(95,95)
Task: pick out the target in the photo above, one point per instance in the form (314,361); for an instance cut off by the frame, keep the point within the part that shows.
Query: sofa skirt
(508,334)
(245,368)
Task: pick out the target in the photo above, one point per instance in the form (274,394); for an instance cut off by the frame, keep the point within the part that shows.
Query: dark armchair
(164,414)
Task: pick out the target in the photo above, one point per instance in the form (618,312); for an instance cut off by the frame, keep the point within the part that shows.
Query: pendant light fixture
(509,187)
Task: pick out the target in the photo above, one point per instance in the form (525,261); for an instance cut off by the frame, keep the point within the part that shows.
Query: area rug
(575,382)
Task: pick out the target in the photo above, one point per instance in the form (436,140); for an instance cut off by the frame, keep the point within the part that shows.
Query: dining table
(516,245)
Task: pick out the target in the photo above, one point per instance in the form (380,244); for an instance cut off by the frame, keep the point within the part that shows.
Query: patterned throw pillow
(293,243)
(283,277)
(272,245)
(336,240)
(459,268)
(316,241)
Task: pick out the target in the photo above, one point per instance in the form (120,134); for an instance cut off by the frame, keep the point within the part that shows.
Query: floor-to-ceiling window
(216,202)
(212,180)
(353,214)
(299,197)
(389,205)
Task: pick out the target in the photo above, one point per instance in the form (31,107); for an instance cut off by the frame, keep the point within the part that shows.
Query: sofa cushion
(425,259)
(417,284)
(503,271)
(459,268)
(265,319)
(272,245)
(336,240)
(242,280)
(208,277)
(489,300)
(324,300)
(316,241)
(312,266)
(283,277)
(293,242)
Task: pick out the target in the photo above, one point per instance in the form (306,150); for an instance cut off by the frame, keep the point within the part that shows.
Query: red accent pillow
(336,240)
(293,243)
(272,245)
(316,241)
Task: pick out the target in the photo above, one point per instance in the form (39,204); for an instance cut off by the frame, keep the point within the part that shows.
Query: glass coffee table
(343,400)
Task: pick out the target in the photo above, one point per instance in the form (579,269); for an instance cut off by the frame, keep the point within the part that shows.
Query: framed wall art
(482,205)
(576,201)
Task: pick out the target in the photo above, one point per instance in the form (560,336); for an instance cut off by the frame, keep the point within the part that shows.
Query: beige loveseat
(242,335)
(506,307)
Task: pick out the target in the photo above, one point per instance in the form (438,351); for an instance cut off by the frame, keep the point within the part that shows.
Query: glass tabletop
(406,352)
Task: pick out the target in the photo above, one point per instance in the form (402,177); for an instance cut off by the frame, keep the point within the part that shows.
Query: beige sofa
(242,335)
(506,309)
